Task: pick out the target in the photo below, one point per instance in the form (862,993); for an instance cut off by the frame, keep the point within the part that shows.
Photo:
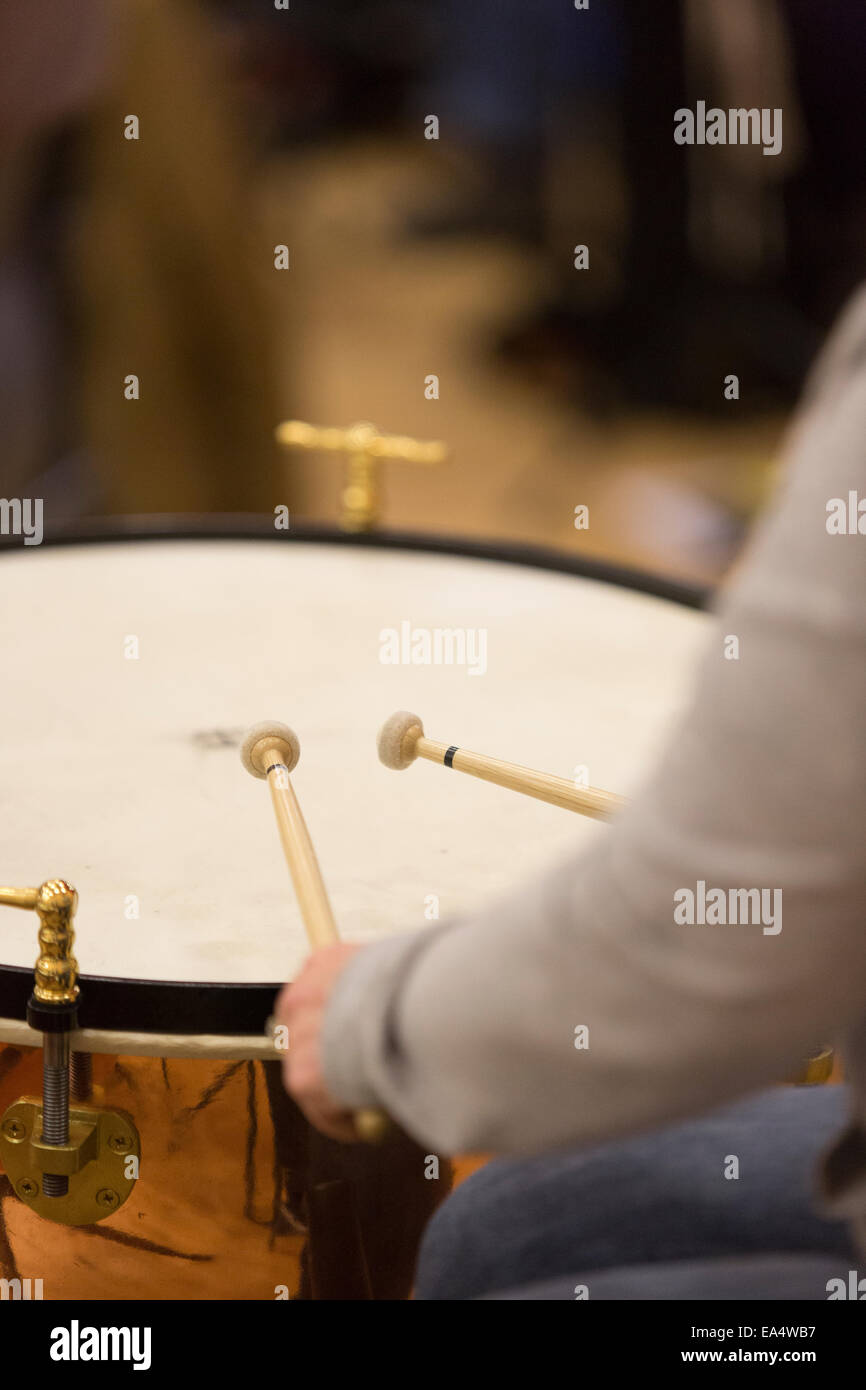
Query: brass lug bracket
(96,1160)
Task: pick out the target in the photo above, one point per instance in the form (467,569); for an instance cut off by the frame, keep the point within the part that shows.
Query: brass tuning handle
(68,1164)
(55,903)
(366,449)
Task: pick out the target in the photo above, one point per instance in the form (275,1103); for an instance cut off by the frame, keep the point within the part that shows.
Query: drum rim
(241,526)
(184,1007)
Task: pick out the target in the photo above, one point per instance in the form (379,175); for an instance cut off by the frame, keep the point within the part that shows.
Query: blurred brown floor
(369,314)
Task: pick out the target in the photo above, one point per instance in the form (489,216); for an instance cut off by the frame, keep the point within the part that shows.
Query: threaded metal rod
(55,1104)
(82,1075)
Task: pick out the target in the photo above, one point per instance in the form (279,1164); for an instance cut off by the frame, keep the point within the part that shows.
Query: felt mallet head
(397,740)
(267,737)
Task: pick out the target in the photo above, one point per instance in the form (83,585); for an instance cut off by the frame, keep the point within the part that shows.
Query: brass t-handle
(55,902)
(367,448)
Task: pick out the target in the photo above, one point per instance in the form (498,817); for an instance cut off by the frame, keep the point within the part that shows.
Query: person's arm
(466,1033)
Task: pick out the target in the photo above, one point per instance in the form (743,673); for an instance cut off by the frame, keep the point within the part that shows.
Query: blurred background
(412,258)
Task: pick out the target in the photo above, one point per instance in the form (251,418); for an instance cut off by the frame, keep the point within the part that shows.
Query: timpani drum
(134,667)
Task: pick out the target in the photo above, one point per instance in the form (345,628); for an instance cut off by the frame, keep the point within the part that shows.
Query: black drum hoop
(185,1008)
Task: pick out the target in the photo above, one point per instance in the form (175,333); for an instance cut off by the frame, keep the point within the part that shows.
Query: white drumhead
(133,670)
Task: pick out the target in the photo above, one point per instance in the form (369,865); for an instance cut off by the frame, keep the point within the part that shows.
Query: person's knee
(664,1195)
(455,1253)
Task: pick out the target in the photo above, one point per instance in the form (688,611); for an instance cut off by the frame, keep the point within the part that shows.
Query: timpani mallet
(270,751)
(402,739)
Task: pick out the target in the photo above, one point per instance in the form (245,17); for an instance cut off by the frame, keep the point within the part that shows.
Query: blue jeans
(660,1198)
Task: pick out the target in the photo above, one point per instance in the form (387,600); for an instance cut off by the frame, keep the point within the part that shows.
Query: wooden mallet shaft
(402,740)
(271,752)
(310,889)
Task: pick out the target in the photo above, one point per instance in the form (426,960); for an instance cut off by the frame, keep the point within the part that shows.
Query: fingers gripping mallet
(270,751)
(402,739)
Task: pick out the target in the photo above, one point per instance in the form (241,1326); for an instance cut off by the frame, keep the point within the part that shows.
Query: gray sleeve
(466,1033)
